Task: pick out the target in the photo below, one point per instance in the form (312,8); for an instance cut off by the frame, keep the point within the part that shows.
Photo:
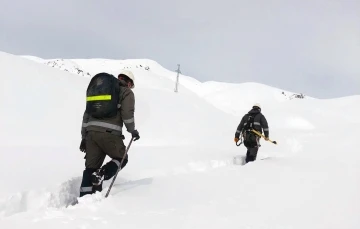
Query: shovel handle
(258,133)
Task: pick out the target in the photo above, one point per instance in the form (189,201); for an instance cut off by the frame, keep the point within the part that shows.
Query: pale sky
(307,46)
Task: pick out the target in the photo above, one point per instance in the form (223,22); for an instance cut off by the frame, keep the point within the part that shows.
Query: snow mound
(68,66)
(60,196)
(114,66)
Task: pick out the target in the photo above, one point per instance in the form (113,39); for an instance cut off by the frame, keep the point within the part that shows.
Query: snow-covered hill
(94,66)
(66,65)
(181,172)
(208,89)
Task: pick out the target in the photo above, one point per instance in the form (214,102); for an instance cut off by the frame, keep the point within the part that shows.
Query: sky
(307,46)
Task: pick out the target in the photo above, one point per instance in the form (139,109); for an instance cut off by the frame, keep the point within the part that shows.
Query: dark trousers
(251,154)
(98,146)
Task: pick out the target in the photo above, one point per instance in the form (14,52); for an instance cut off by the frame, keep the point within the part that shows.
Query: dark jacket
(260,123)
(125,115)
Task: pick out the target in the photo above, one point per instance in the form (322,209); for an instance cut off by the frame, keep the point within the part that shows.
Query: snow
(34,58)
(97,65)
(67,65)
(181,173)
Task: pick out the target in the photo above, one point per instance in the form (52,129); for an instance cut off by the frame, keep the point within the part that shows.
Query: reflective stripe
(129,120)
(266,129)
(86,189)
(237,131)
(102,124)
(98,98)
(116,162)
(257,123)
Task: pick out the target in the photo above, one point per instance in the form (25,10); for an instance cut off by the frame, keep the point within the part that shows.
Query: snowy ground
(181,173)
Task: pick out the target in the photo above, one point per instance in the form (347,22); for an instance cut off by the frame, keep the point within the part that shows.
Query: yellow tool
(259,134)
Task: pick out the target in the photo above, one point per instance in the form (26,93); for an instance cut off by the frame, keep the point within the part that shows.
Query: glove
(135,135)
(236,139)
(83,146)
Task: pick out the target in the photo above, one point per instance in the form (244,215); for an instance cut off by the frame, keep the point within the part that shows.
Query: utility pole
(177,78)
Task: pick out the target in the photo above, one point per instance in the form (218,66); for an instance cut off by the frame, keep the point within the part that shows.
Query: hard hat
(257,105)
(130,75)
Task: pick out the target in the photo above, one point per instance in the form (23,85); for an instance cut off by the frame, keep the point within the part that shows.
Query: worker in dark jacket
(251,140)
(103,137)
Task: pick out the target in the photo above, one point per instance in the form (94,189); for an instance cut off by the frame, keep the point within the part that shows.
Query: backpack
(250,138)
(102,96)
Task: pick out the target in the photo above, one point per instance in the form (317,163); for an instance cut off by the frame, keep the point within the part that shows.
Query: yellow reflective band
(98,98)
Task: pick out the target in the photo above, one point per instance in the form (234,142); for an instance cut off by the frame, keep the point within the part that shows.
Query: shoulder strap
(251,125)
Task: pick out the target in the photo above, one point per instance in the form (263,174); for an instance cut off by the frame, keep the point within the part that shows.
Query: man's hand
(236,140)
(266,138)
(83,146)
(135,135)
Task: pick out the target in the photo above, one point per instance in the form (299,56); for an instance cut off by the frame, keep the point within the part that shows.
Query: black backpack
(250,138)
(102,96)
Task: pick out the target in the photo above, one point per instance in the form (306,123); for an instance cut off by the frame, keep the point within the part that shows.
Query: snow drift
(181,172)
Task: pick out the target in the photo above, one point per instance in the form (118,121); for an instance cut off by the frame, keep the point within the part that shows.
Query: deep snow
(181,172)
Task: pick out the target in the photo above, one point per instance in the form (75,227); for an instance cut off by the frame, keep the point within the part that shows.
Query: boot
(97,177)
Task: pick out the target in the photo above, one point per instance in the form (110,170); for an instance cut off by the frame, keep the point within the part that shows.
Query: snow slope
(181,172)
(93,66)
(225,96)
